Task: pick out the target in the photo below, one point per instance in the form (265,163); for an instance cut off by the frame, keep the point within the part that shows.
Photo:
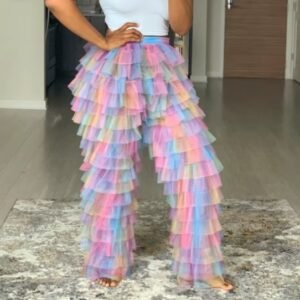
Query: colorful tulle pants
(125,98)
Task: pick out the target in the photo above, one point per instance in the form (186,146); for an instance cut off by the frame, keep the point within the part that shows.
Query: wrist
(102,43)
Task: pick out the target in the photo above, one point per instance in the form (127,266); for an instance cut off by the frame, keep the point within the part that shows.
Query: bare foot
(215,282)
(220,283)
(108,282)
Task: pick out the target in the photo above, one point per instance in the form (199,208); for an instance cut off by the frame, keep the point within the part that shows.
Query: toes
(113,283)
(228,286)
(107,282)
(220,283)
(103,282)
(226,283)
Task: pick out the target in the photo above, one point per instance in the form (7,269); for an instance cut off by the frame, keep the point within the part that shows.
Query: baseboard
(23,104)
(197,79)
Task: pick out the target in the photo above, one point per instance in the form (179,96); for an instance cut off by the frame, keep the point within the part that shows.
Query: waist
(148,24)
(155,39)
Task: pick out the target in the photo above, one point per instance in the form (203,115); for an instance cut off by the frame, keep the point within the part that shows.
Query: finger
(133,30)
(132,39)
(132,36)
(129,24)
(130,32)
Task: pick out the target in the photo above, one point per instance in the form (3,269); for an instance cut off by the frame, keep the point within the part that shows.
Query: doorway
(255,38)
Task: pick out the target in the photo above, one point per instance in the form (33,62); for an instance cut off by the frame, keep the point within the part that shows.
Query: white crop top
(151,15)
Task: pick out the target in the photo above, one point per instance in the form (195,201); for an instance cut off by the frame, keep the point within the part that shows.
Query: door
(255,38)
(297,54)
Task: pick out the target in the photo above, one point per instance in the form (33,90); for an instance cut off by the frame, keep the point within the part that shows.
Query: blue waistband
(155,40)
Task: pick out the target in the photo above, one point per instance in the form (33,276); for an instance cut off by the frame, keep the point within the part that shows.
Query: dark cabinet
(50,54)
(69,46)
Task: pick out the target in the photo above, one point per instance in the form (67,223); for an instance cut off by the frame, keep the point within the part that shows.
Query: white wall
(22,78)
(215,37)
(199,41)
(297,54)
(208,39)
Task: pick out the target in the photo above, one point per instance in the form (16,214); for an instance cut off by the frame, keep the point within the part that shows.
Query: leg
(185,161)
(109,212)
(109,113)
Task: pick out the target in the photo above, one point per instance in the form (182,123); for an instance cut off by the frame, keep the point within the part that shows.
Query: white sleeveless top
(151,15)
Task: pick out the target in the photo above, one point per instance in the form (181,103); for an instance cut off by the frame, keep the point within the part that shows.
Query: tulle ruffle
(135,95)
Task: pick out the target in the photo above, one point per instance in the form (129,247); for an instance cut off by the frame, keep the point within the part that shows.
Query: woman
(131,88)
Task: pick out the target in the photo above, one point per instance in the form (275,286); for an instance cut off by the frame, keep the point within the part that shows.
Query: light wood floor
(256,123)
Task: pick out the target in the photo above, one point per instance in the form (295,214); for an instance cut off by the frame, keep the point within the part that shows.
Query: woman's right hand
(122,35)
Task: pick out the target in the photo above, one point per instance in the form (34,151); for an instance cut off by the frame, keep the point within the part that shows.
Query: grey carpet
(40,257)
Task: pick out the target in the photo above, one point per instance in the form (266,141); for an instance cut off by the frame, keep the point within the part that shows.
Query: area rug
(40,256)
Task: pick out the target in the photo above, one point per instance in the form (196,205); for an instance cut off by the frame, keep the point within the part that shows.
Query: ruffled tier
(108,233)
(124,98)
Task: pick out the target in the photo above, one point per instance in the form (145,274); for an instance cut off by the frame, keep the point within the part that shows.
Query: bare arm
(68,13)
(181,15)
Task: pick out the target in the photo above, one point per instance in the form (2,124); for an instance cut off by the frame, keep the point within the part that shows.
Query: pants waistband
(155,40)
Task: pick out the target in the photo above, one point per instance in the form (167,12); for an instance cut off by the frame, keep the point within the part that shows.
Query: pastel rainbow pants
(126,98)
